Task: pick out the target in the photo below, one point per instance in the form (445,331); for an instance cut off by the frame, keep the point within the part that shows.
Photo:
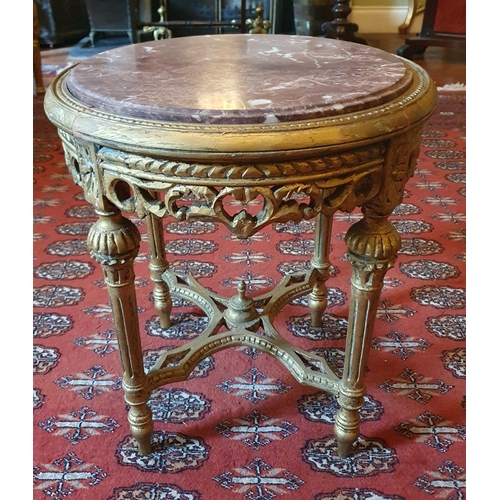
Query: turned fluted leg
(158,265)
(114,243)
(372,247)
(321,262)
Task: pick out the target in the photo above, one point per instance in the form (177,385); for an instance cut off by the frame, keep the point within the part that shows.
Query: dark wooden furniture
(340,28)
(61,21)
(112,16)
(208,17)
(170,18)
(443,25)
(37,59)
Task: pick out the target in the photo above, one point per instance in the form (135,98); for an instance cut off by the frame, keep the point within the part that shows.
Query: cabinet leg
(113,242)
(372,247)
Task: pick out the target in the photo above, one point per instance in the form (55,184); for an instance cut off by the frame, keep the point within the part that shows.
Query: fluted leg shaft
(158,265)
(372,247)
(321,262)
(114,242)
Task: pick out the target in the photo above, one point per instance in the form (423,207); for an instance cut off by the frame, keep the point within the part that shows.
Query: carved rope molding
(283,172)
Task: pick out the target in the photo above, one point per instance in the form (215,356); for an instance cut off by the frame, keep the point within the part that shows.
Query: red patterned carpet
(242,428)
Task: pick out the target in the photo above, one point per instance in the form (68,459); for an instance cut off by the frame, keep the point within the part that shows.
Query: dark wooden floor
(446,66)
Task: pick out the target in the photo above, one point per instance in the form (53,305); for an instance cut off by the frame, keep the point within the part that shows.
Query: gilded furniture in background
(415,7)
(309,125)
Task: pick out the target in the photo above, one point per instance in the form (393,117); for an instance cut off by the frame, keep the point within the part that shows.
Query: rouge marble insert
(231,79)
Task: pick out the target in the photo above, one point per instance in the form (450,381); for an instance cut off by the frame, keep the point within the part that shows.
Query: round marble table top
(233,79)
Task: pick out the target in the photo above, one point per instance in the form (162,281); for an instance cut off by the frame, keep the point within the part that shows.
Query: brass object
(131,165)
(415,7)
(241,310)
(160,32)
(258,26)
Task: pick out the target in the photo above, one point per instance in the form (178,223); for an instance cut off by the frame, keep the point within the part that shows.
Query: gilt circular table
(175,127)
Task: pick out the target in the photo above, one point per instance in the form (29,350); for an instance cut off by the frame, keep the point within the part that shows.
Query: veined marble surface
(233,79)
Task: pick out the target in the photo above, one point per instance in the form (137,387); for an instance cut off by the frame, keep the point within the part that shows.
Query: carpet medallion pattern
(241,427)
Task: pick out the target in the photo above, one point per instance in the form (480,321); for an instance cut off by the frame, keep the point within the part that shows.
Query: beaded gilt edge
(62,94)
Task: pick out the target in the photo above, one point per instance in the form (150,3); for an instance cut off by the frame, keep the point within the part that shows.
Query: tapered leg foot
(347,423)
(141,425)
(344,446)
